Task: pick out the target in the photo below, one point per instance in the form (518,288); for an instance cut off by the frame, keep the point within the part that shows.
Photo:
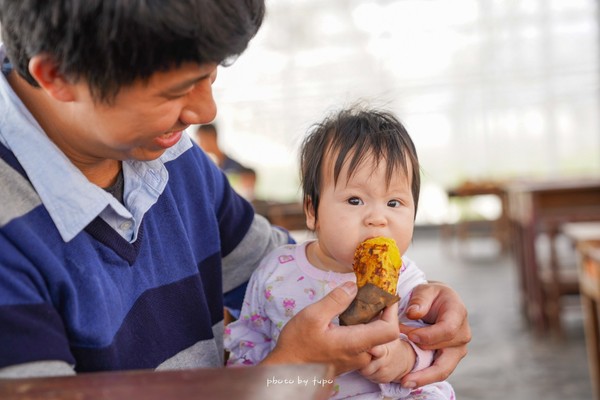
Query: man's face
(144,119)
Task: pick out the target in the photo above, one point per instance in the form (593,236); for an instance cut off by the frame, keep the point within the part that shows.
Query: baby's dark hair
(112,43)
(351,135)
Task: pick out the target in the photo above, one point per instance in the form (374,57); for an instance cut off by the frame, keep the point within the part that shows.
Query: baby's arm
(248,339)
(393,360)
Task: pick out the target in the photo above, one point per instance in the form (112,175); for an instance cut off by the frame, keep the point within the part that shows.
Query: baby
(360,180)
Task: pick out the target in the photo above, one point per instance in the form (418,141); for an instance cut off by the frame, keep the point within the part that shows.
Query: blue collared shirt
(70,198)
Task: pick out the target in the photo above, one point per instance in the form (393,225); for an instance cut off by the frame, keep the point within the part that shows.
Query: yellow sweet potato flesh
(378,261)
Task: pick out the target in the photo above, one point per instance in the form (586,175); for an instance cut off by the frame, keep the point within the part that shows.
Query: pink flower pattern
(311,293)
(289,305)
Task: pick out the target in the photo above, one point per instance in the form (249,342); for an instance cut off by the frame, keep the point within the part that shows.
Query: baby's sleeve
(249,340)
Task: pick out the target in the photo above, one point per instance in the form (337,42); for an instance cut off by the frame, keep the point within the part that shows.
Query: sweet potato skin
(369,302)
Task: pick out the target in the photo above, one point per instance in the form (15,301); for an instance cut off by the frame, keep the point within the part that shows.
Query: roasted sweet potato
(376,265)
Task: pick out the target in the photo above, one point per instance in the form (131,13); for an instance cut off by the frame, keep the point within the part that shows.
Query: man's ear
(309,211)
(45,71)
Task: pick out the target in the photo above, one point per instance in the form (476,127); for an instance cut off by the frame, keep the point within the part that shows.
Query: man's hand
(311,337)
(437,304)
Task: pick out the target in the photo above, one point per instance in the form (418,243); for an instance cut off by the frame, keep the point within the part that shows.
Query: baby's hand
(390,362)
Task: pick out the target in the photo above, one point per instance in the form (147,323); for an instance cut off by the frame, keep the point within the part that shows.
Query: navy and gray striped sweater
(99,302)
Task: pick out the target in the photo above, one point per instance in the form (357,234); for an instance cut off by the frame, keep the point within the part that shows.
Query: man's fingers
(420,302)
(364,337)
(385,329)
(443,366)
(437,304)
(430,302)
(390,314)
(335,302)
(440,335)
(378,351)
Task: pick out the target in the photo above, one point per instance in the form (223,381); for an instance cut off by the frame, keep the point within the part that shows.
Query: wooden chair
(558,280)
(287,215)
(542,208)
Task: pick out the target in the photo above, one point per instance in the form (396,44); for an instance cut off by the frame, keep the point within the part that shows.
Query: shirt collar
(71,200)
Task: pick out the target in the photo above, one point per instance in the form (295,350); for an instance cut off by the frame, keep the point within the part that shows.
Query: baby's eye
(394,203)
(355,201)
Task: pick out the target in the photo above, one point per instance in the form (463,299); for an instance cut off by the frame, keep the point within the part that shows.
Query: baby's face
(362,207)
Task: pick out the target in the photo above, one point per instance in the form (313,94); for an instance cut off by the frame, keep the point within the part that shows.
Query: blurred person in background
(120,241)
(246,183)
(242,178)
(207,138)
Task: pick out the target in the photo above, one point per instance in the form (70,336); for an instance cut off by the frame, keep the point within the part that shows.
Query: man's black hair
(112,43)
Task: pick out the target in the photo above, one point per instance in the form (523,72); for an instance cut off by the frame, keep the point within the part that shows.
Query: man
(120,241)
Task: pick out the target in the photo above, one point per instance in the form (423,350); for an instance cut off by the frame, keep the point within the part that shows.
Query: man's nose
(201,107)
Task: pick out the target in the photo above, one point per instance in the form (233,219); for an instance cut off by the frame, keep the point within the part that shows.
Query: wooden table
(294,382)
(542,207)
(590,297)
(464,227)
(582,232)
(586,236)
